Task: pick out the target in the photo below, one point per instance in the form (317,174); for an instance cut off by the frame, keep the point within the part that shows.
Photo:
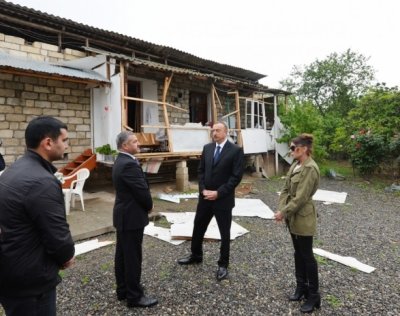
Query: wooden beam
(217,97)
(238,124)
(124,108)
(229,114)
(213,107)
(155,102)
(167,82)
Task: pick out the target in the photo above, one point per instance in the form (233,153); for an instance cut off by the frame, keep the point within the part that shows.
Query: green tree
(332,84)
(378,111)
(303,117)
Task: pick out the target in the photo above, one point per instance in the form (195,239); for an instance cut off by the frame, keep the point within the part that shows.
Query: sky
(266,36)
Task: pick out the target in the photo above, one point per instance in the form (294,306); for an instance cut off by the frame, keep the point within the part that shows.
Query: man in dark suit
(220,171)
(133,202)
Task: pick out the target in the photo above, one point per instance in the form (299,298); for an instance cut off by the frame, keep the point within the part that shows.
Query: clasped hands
(210,195)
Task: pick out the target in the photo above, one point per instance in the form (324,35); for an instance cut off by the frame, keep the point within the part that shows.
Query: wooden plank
(155,102)
(124,108)
(213,107)
(167,81)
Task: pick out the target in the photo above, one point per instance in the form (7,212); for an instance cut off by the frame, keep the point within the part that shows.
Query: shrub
(367,152)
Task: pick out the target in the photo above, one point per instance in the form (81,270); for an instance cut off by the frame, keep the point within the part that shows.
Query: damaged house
(100,82)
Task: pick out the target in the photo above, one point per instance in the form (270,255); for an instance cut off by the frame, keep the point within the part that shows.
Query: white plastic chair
(76,188)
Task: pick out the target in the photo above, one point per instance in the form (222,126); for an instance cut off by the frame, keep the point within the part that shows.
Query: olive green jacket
(295,201)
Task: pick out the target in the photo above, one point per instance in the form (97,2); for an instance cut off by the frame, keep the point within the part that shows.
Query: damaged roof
(21,15)
(8,61)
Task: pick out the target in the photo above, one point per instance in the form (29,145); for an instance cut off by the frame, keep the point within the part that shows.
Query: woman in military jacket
(296,207)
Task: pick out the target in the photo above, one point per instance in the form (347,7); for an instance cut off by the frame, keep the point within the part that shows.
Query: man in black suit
(133,202)
(220,171)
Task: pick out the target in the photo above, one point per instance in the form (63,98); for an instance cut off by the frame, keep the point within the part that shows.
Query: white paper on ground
(90,245)
(252,207)
(161,233)
(330,196)
(169,198)
(185,230)
(178,217)
(348,261)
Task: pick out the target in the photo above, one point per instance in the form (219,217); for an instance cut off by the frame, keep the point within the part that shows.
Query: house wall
(24,97)
(38,51)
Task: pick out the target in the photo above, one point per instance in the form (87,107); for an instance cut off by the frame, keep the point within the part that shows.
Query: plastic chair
(76,188)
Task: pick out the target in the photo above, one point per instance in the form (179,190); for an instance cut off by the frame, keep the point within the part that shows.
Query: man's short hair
(40,128)
(122,138)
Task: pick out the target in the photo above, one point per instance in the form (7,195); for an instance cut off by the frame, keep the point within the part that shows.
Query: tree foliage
(332,84)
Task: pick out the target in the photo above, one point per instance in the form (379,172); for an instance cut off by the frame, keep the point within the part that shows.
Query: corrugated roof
(14,62)
(124,42)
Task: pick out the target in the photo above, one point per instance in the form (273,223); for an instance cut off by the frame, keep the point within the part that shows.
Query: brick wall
(23,98)
(17,46)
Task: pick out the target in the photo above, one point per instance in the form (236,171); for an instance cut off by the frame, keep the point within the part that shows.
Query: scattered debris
(330,196)
(161,233)
(252,207)
(332,174)
(90,245)
(176,198)
(393,188)
(348,261)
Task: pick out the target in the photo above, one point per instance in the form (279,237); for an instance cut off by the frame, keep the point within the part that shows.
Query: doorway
(134,110)
(198,107)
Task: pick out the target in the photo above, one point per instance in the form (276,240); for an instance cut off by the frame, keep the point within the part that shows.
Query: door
(198,107)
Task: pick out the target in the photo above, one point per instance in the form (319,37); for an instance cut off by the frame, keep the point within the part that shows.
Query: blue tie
(217,154)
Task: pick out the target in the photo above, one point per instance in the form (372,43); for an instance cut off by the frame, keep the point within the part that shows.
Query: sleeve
(236,175)
(305,190)
(284,193)
(201,171)
(45,205)
(2,163)
(134,178)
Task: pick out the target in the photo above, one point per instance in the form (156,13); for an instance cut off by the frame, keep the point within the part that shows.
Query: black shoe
(222,273)
(314,300)
(121,297)
(144,301)
(299,294)
(190,260)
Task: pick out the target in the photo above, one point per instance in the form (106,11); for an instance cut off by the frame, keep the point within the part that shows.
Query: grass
(85,279)
(321,260)
(333,301)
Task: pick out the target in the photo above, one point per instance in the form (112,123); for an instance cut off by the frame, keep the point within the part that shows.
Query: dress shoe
(121,297)
(190,260)
(299,294)
(222,273)
(144,301)
(314,300)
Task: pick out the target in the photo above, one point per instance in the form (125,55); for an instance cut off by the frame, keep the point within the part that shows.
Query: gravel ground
(262,268)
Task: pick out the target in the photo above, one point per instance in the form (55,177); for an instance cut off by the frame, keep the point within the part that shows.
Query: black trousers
(204,214)
(40,305)
(305,263)
(128,263)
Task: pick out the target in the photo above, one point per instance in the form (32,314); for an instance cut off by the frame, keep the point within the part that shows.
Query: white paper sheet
(330,196)
(252,207)
(184,230)
(348,261)
(161,233)
(90,245)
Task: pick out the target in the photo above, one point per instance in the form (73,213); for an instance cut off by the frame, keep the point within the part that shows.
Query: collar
(46,164)
(128,154)
(222,144)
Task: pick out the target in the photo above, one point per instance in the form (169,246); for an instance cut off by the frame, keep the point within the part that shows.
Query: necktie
(217,154)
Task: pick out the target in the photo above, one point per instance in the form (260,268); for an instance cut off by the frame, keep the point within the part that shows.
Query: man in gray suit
(220,171)
(133,202)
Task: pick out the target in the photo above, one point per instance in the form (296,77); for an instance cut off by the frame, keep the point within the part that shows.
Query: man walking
(133,203)
(35,241)
(220,171)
